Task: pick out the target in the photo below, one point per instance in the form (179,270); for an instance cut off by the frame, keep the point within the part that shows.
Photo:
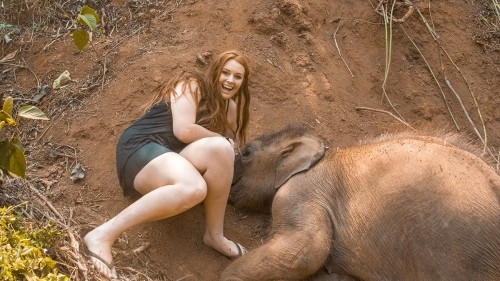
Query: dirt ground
(320,63)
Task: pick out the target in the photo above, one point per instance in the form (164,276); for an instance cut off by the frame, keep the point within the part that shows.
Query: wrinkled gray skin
(403,207)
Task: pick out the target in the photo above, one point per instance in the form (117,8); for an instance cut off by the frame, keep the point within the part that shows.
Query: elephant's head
(266,163)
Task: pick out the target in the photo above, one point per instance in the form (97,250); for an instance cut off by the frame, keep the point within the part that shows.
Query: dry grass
(488,32)
(490,35)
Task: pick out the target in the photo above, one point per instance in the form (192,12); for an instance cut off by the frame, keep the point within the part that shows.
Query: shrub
(23,248)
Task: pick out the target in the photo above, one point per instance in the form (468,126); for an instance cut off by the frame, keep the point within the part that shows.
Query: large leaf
(12,157)
(80,38)
(2,123)
(87,11)
(4,151)
(8,105)
(31,112)
(89,20)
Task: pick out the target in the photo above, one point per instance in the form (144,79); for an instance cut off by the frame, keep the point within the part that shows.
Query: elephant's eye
(246,151)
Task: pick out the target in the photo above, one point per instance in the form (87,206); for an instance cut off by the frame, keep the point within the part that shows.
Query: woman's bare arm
(183,105)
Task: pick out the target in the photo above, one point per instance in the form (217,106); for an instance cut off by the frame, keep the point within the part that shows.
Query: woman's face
(231,78)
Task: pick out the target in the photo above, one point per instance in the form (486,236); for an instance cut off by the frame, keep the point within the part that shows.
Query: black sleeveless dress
(146,139)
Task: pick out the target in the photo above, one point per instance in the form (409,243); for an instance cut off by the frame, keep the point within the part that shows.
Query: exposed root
(381,10)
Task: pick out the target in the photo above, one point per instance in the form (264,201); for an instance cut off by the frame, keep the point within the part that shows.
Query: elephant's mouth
(238,169)
(236,178)
(234,187)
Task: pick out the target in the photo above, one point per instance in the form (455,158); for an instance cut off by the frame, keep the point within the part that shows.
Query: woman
(179,154)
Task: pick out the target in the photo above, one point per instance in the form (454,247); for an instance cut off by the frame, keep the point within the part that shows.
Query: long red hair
(216,104)
(212,108)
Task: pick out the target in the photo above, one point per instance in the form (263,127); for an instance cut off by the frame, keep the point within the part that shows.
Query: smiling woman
(177,156)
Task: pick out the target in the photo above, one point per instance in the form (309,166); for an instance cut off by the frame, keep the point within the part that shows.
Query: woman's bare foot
(100,253)
(228,248)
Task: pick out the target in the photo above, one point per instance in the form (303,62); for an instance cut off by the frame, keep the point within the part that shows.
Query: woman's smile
(231,78)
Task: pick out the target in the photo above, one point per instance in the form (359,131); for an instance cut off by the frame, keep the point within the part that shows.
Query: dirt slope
(313,62)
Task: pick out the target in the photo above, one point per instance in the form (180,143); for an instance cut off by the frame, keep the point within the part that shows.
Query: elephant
(401,206)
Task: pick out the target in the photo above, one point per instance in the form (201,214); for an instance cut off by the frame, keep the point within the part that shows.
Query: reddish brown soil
(298,76)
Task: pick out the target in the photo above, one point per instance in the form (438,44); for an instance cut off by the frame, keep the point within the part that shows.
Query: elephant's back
(415,210)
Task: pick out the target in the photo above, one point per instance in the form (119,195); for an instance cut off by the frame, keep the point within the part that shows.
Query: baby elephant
(401,207)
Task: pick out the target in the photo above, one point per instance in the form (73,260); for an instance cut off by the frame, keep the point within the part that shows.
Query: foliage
(89,18)
(12,159)
(23,247)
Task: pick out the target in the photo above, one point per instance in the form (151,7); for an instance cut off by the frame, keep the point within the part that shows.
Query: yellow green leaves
(80,38)
(6,113)
(8,105)
(12,160)
(23,248)
(87,17)
(12,157)
(31,112)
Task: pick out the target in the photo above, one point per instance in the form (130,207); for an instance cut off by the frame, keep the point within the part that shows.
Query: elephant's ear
(296,157)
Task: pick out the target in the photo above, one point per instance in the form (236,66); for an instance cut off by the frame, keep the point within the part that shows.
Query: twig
(47,202)
(486,148)
(498,161)
(44,132)
(380,10)
(433,76)
(76,253)
(138,272)
(338,49)
(104,70)
(433,33)
(465,110)
(485,140)
(189,275)
(386,112)
(388,53)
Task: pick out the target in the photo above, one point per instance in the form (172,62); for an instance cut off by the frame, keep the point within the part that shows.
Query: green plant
(23,248)
(12,159)
(86,18)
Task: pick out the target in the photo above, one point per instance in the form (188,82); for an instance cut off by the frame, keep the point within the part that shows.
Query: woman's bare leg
(214,159)
(170,184)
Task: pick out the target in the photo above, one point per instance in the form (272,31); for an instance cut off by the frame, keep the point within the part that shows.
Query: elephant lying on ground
(402,207)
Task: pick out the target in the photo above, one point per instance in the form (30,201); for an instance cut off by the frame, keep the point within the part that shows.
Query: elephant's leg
(288,255)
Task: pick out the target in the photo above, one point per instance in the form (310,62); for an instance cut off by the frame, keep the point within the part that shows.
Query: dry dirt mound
(320,63)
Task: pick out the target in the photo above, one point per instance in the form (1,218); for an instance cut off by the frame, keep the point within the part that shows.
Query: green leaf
(7,118)
(62,80)
(89,20)
(31,112)
(8,104)
(12,159)
(80,38)
(4,150)
(87,10)
(2,123)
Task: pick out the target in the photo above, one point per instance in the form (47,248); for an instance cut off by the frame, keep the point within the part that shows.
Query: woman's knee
(196,188)
(220,147)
